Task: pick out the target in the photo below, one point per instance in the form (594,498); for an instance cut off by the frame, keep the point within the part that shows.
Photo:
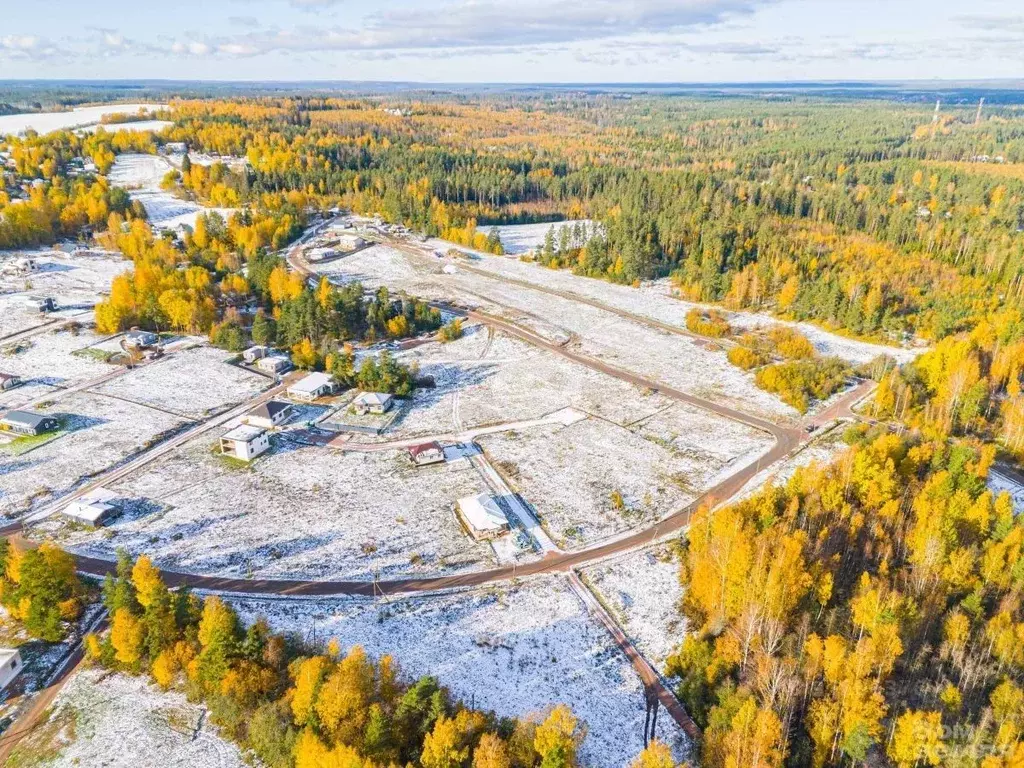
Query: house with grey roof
(28,422)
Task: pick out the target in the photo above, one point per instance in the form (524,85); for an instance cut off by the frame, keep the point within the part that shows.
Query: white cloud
(19,42)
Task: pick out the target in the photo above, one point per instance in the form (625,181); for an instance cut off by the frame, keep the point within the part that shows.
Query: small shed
(245,442)
(269,414)
(252,354)
(43,303)
(426,453)
(274,364)
(28,422)
(94,508)
(482,516)
(9,381)
(372,402)
(310,387)
(139,339)
(10,666)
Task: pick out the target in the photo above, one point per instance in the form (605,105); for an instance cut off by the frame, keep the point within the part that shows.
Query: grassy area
(46,741)
(91,353)
(25,443)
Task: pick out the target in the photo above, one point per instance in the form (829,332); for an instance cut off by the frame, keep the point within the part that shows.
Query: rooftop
(270,409)
(25,418)
(312,383)
(483,513)
(373,398)
(243,433)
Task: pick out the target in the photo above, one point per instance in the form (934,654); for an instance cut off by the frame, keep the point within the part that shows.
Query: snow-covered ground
(300,511)
(99,432)
(48,359)
(654,300)
(671,359)
(570,474)
(45,122)
(135,127)
(118,721)
(999,482)
(642,591)
(515,650)
(141,176)
(194,383)
(517,239)
(822,451)
(75,281)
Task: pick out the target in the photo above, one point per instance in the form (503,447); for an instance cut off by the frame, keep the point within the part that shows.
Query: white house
(252,354)
(9,381)
(372,402)
(268,415)
(93,508)
(10,666)
(274,364)
(137,338)
(245,442)
(312,386)
(24,264)
(482,516)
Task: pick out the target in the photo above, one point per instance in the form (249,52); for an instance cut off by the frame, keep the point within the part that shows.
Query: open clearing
(594,479)
(300,511)
(642,592)
(118,721)
(98,432)
(141,176)
(674,360)
(74,281)
(518,239)
(45,122)
(194,382)
(515,650)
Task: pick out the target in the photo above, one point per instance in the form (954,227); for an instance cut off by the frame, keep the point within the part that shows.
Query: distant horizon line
(1003,82)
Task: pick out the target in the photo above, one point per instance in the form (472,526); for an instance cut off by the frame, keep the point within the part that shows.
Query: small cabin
(274,364)
(310,387)
(139,339)
(28,423)
(9,381)
(372,402)
(252,354)
(94,508)
(426,453)
(482,516)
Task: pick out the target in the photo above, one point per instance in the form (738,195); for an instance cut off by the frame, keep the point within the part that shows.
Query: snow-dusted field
(135,127)
(47,359)
(100,432)
(642,591)
(45,122)
(485,379)
(674,360)
(654,300)
(118,721)
(517,239)
(76,282)
(569,474)
(141,176)
(515,650)
(300,511)
(194,382)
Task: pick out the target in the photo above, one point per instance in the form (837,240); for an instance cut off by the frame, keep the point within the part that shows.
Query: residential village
(564,419)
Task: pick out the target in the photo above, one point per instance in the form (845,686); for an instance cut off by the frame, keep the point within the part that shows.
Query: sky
(509,41)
